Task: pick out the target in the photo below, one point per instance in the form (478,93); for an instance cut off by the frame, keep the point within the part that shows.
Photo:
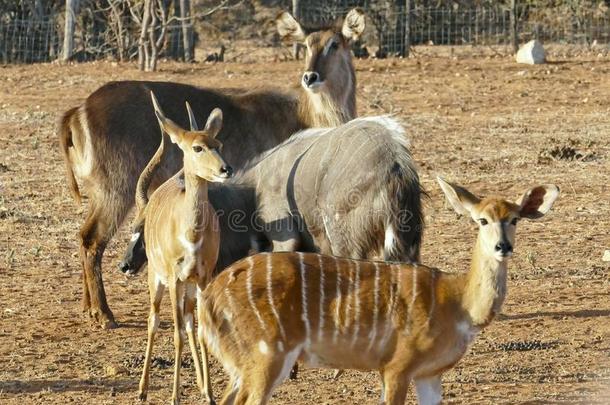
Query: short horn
(192,119)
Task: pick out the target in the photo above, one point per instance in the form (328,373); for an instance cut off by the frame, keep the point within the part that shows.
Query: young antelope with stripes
(409,321)
(182,239)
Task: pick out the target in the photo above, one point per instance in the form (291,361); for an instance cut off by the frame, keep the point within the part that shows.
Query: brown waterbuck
(409,321)
(107,141)
(350,191)
(183,239)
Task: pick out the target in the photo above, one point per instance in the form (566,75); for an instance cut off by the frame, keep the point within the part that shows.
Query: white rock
(606,257)
(531,53)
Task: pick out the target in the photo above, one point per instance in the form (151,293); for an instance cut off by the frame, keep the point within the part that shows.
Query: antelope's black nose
(504,247)
(310,78)
(227,171)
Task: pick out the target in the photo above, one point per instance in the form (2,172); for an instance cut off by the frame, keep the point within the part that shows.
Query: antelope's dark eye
(197,148)
(514,221)
(334,46)
(483,221)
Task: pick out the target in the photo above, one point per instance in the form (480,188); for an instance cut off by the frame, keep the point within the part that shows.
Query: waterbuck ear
(192,119)
(461,199)
(288,28)
(537,201)
(168,126)
(353,25)
(214,124)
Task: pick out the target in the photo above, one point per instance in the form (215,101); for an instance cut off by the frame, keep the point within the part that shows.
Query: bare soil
(486,122)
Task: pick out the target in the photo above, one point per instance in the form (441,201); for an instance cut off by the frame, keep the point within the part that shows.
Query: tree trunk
(514,36)
(408,5)
(143,54)
(296,13)
(71,10)
(187,30)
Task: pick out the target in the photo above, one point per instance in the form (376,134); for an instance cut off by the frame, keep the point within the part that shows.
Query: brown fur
(123,137)
(410,322)
(183,238)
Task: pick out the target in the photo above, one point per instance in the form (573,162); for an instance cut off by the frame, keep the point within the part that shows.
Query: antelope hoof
(337,374)
(142,396)
(105,322)
(294,372)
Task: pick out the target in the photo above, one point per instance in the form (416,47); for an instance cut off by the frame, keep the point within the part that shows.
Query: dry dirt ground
(492,125)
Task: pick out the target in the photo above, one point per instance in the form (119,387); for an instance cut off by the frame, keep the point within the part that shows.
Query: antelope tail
(65,143)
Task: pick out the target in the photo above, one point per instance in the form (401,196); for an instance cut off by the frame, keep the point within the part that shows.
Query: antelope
(107,141)
(408,321)
(349,191)
(183,237)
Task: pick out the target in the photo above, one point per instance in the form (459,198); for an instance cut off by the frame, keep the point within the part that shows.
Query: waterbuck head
(328,63)
(201,149)
(497,218)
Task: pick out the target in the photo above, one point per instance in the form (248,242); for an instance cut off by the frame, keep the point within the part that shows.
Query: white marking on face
(250,293)
(304,314)
(262,347)
(356,303)
(270,297)
(327,46)
(321,319)
(134,237)
(373,334)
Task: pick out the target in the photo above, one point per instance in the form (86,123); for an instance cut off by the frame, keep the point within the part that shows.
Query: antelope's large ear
(461,199)
(192,119)
(353,25)
(168,126)
(537,201)
(214,124)
(289,28)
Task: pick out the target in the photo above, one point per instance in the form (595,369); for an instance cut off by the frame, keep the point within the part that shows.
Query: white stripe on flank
(321,320)
(433,295)
(304,315)
(270,297)
(337,302)
(373,334)
(250,295)
(350,291)
(231,304)
(413,297)
(356,304)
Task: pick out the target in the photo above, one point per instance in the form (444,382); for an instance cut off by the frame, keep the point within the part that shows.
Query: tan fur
(122,136)
(183,239)
(410,322)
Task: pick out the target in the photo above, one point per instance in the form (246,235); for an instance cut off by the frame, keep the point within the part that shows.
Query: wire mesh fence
(392,30)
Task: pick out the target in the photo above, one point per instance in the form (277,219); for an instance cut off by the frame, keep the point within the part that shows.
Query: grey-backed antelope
(182,239)
(409,321)
(107,141)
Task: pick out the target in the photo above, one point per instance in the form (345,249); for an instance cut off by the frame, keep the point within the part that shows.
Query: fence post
(71,10)
(514,36)
(407,49)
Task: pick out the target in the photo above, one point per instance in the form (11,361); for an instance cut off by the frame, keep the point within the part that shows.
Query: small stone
(532,53)
(606,257)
